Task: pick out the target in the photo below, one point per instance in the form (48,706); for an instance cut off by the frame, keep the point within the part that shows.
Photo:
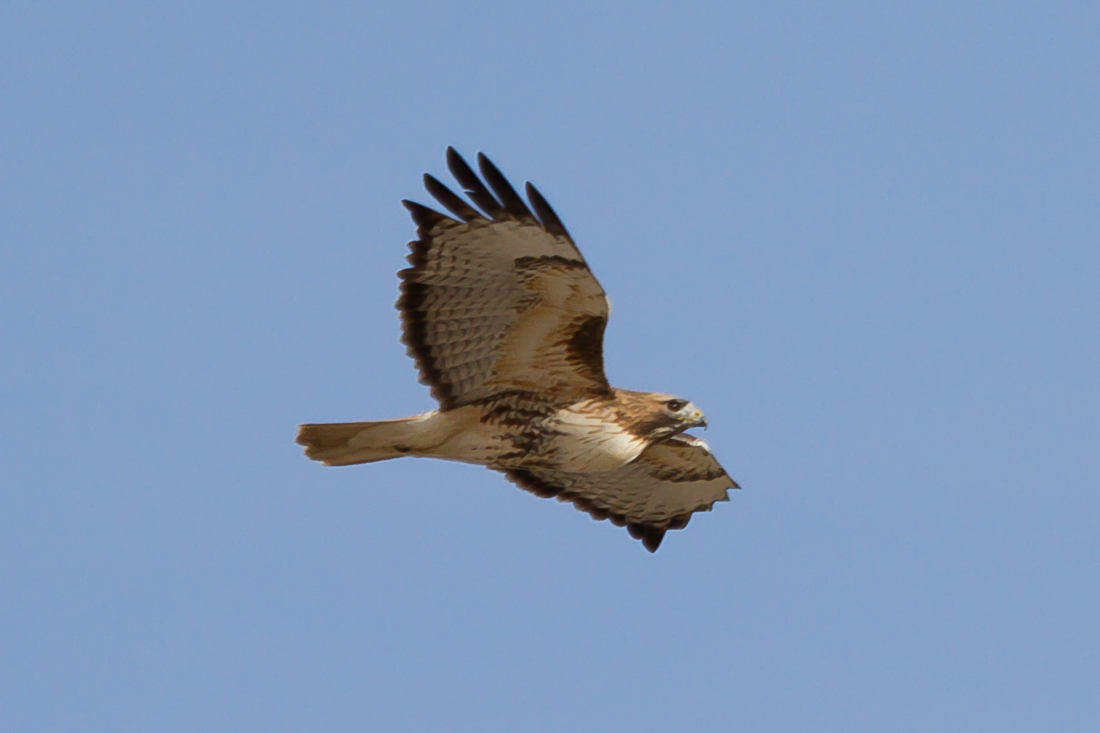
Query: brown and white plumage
(505,322)
(500,304)
(659,491)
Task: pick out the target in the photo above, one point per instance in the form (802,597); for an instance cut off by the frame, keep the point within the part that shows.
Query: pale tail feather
(344,444)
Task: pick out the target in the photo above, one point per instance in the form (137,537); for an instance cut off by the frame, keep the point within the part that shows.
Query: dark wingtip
(513,204)
(652,541)
(452,201)
(502,201)
(454,158)
(472,185)
(549,218)
(423,216)
(650,536)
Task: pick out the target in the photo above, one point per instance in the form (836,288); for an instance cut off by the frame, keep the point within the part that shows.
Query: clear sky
(863,237)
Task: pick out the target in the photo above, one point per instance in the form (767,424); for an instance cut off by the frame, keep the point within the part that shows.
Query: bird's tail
(347,443)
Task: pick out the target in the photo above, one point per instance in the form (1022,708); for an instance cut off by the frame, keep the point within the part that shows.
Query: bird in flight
(505,322)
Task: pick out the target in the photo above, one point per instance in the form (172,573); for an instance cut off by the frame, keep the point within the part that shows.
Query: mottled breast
(589,437)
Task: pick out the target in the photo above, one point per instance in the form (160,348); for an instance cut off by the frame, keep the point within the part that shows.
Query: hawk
(505,323)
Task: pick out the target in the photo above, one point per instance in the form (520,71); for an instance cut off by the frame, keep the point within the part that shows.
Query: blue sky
(862,237)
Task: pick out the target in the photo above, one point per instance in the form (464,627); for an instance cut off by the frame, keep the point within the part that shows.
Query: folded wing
(500,300)
(659,491)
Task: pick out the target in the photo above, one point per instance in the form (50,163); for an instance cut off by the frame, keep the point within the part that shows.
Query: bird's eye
(675,405)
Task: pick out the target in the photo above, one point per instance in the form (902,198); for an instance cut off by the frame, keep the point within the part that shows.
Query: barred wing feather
(659,491)
(500,301)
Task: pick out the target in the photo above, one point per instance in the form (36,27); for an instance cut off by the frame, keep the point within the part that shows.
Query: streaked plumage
(505,322)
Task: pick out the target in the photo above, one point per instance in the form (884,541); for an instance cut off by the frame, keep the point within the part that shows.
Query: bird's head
(661,416)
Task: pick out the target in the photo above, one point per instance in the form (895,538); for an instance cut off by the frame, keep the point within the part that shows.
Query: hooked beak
(700,420)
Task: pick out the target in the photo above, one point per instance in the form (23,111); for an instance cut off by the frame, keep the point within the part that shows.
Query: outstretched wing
(500,301)
(659,491)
